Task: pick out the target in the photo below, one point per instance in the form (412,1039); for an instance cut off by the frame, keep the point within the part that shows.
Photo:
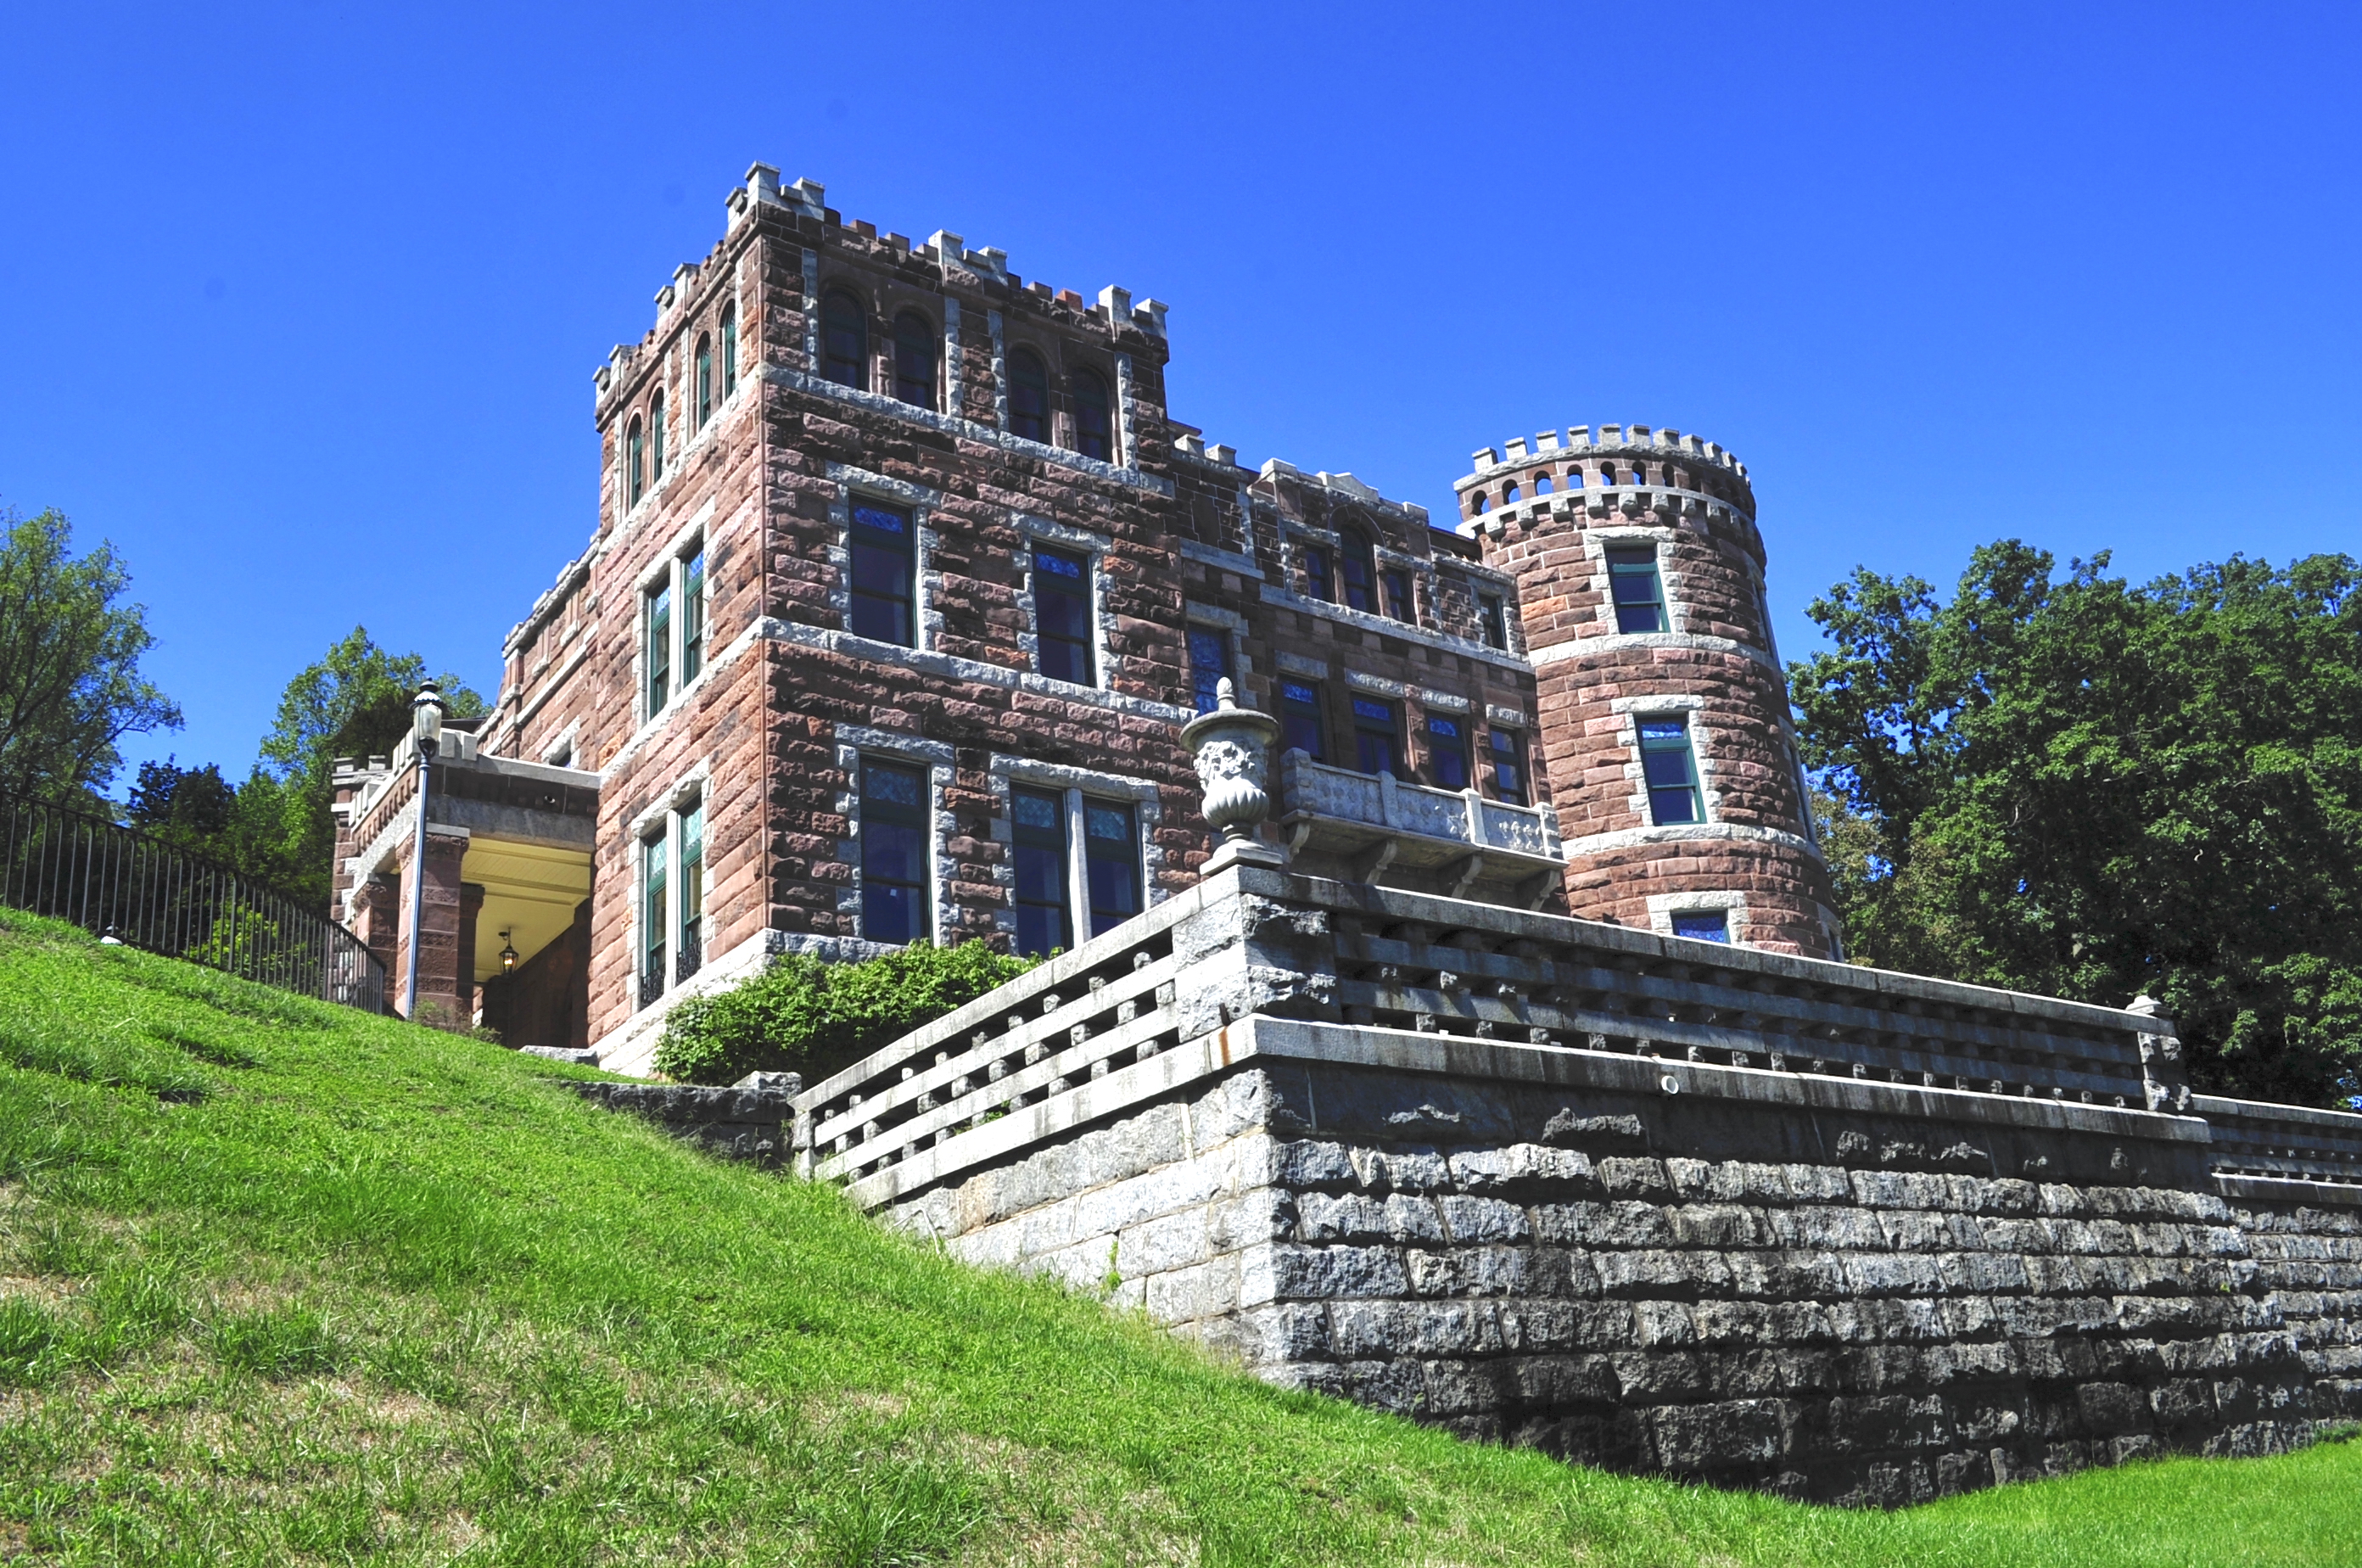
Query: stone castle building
(1506,1080)
(904,581)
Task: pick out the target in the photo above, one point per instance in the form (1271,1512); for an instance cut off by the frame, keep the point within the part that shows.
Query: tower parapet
(1682,803)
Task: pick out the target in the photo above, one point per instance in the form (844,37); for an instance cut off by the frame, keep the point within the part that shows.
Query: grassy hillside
(284,1284)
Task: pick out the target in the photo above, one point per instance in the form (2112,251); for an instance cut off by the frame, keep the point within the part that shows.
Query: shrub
(801,1015)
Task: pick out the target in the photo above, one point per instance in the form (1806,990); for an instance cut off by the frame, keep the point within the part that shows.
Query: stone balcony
(1364,827)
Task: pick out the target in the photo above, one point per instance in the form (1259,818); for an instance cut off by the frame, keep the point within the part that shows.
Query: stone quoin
(1489,1056)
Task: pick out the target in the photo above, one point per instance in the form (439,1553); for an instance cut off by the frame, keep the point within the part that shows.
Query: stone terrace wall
(1854,1307)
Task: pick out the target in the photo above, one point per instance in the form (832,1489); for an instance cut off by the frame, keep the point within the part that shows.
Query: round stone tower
(1662,711)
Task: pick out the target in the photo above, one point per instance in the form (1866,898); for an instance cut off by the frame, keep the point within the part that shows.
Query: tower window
(1399,604)
(729,349)
(1300,728)
(704,380)
(692,893)
(1093,432)
(914,359)
(635,461)
(884,555)
(1484,504)
(656,436)
(1637,590)
(1447,751)
(1671,769)
(1508,749)
(1541,484)
(1574,478)
(1702,925)
(1492,616)
(845,341)
(1316,584)
(1028,396)
(1209,665)
(654,914)
(1111,861)
(893,852)
(1509,492)
(1358,564)
(1377,738)
(692,614)
(657,650)
(1045,921)
(1062,615)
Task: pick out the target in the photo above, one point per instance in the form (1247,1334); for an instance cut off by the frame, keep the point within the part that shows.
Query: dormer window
(1028,396)
(1093,430)
(845,341)
(914,359)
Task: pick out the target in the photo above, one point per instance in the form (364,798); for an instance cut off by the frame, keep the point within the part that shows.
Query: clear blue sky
(300,305)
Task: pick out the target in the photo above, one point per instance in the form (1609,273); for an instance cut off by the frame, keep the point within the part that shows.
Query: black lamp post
(426,729)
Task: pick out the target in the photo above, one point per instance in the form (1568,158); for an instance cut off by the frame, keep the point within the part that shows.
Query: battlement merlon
(1578,442)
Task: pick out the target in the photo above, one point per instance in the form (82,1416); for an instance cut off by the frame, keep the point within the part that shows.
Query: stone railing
(1364,826)
(2286,1143)
(1141,1010)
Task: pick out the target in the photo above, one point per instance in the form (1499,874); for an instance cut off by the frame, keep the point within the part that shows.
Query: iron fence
(146,893)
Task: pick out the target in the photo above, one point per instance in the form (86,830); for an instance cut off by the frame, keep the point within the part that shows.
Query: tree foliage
(2076,786)
(69,650)
(801,1015)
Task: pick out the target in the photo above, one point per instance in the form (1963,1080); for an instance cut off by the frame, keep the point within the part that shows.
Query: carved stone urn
(1231,749)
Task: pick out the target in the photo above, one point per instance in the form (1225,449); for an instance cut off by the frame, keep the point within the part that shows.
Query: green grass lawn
(285,1284)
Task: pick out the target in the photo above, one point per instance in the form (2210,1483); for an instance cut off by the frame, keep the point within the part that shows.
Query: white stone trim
(954,667)
(1732,906)
(1377,685)
(1213,556)
(1286,599)
(1633,838)
(1615,642)
(1508,718)
(1656,705)
(1444,702)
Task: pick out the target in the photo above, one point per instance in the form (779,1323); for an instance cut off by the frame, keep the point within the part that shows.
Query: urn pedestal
(1232,749)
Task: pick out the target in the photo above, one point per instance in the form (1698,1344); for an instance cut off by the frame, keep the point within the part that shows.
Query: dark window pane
(704,381)
(1367,711)
(1315,573)
(1638,590)
(1398,599)
(1670,771)
(1062,615)
(894,824)
(1494,616)
(1092,430)
(692,617)
(1209,665)
(1040,823)
(729,351)
(1360,572)
(1111,857)
(1028,397)
(883,558)
(654,909)
(914,359)
(845,341)
(1299,719)
(1509,765)
(1702,925)
(1449,749)
(635,442)
(659,653)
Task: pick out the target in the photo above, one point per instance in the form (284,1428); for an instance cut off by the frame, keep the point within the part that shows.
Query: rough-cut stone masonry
(1654,1204)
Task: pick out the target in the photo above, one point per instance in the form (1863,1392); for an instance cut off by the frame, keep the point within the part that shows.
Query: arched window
(1358,566)
(636,462)
(914,359)
(1484,504)
(1509,491)
(1028,396)
(845,341)
(729,349)
(1541,484)
(1574,478)
(1092,430)
(704,380)
(655,437)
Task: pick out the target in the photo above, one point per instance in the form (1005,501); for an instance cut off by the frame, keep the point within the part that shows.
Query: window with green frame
(1671,769)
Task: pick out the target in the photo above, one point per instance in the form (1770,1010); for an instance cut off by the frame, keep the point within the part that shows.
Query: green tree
(2076,786)
(69,650)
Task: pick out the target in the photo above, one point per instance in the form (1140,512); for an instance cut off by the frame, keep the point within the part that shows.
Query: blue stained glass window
(883,567)
(1062,615)
(1509,765)
(893,853)
(1448,752)
(1111,859)
(1209,665)
(1377,744)
(1702,925)
(1044,924)
(1299,719)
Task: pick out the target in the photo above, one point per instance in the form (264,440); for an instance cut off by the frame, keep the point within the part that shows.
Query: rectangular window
(1493,617)
(1315,573)
(1639,593)
(1671,769)
(1062,615)
(655,917)
(893,852)
(1399,599)
(1044,917)
(1209,665)
(1508,748)
(1702,925)
(884,562)
(1111,860)
(1447,751)
(657,654)
(692,615)
(692,892)
(1300,728)
(1377,738)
